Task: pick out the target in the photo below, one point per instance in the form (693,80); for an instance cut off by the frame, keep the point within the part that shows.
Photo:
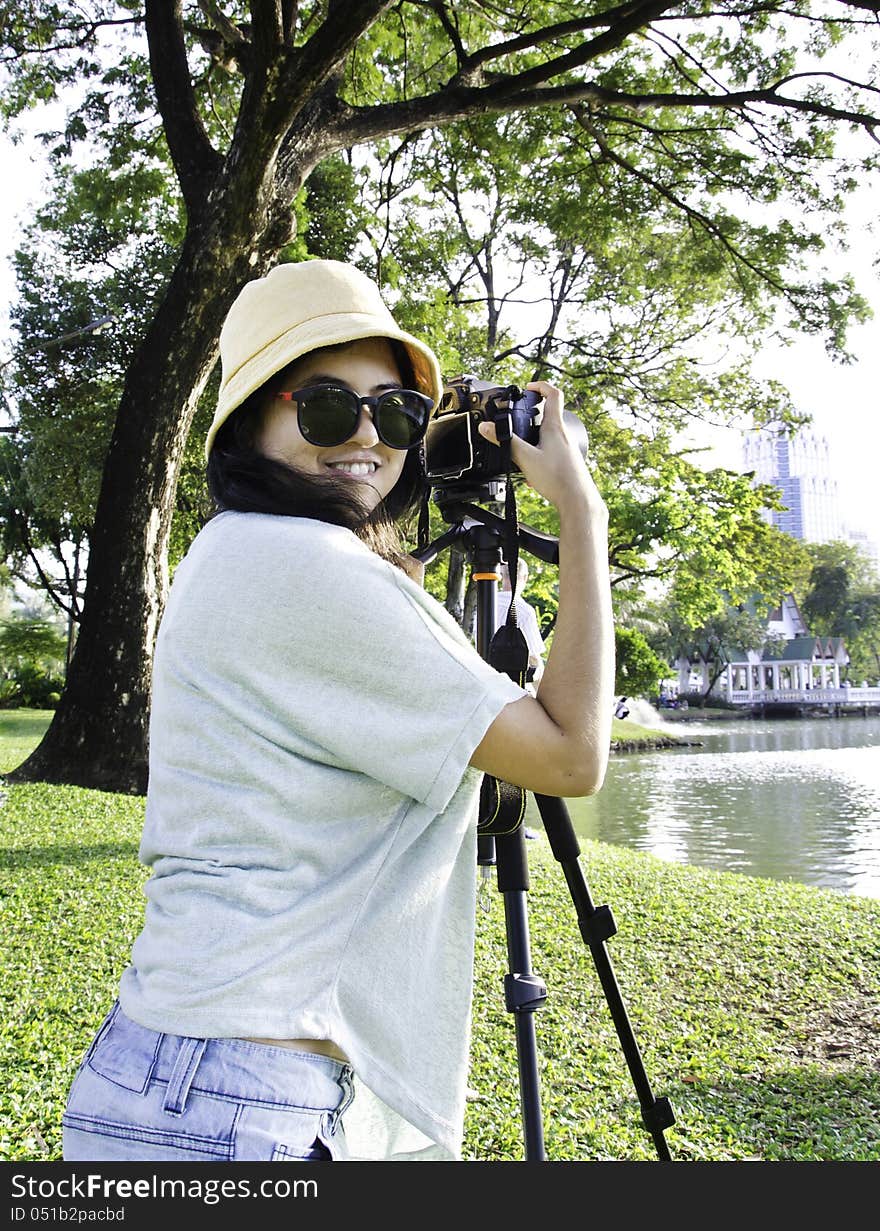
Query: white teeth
(358,469)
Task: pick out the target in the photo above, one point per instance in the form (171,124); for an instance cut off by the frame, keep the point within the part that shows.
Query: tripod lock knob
(524,993)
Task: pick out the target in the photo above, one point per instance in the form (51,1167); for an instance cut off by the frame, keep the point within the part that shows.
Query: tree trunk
(707,695)
(98,736)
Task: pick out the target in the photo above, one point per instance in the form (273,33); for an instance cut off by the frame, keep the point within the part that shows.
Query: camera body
(454,448)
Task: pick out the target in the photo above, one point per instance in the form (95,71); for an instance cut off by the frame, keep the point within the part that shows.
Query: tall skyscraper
(800,466)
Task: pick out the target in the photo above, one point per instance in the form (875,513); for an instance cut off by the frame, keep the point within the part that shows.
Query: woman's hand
(558,742)
(554,467)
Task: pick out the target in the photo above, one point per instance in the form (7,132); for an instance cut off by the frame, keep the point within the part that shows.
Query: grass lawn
(754,1003)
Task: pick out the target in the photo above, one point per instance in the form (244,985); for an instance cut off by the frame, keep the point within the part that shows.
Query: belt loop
(346,1083)
(185,1066)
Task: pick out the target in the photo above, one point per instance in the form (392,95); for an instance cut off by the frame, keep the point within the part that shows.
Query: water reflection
(788,799)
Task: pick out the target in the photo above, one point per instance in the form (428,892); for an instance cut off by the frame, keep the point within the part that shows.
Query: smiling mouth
(355,470)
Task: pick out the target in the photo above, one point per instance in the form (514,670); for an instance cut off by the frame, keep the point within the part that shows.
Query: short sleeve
(320,643)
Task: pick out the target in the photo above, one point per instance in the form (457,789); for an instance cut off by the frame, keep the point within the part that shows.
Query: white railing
(805,696)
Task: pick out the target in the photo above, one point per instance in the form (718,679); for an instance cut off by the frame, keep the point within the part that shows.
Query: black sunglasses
(327,415)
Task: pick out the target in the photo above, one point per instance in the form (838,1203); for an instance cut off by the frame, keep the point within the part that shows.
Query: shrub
(31,664)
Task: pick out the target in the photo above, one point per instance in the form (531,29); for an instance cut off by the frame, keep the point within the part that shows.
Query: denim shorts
(143,1095)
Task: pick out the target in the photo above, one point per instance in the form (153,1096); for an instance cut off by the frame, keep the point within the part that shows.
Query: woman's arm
(558,743)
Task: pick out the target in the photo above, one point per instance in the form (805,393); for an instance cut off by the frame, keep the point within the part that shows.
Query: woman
(301,987)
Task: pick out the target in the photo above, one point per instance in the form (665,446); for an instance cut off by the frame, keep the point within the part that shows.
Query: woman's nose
(365,433)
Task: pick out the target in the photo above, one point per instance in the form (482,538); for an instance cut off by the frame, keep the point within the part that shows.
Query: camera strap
(503,805)
(424,523)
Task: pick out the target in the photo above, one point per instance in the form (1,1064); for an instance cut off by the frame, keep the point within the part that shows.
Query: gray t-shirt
(310,819)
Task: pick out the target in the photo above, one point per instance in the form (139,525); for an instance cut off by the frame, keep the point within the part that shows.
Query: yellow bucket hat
(297,308)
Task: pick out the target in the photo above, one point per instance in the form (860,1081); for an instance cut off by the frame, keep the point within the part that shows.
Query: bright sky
(843,400)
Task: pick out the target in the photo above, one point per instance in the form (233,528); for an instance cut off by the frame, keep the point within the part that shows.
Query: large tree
(253,98)
(842,598)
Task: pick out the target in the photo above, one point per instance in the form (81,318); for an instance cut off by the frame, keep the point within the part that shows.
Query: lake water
(790,799)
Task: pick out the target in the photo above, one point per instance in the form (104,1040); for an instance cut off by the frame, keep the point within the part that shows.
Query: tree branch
(291,112)
(47,582)
(196,162)
(267,33)
(289,18)
(353,125)
(81,35)
(696,216)
(620,22)
(449,22)
(329,45)
(228,30)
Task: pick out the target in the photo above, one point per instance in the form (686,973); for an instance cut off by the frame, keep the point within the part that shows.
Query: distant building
(867,546)
(785,622)
(793,664)
(800,467)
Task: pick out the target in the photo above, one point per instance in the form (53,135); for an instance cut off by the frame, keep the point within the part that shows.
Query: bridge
(836,700)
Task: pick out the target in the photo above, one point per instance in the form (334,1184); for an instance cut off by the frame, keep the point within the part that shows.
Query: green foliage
(842,598)
(29,685)
(616,301)
(37,640)
(638,669)
(826,599)
(32,654)
(334,215)
(102,246)
(744,560)
(613,250)
(702,532)
(860,568)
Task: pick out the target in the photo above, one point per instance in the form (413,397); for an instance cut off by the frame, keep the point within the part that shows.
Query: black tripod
(481,534)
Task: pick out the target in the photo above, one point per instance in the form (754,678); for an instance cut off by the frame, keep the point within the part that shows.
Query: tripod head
(482,534)
(467,518)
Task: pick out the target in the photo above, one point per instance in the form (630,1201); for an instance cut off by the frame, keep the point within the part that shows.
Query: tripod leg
(596,925)
(524,992)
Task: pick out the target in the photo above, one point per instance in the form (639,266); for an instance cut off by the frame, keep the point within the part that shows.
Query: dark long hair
(241,478)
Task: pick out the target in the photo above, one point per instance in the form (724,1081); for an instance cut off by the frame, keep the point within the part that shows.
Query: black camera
(454,448)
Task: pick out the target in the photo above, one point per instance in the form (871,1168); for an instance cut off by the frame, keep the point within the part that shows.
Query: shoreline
(629,736)
(650,743)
